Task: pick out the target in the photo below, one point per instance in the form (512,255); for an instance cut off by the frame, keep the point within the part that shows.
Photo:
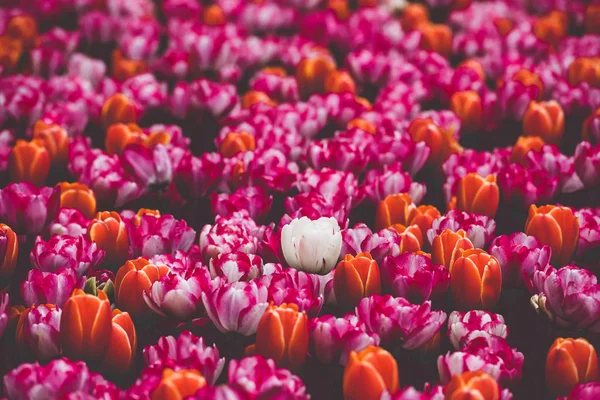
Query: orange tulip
(213,15)
(340,8)
(118,136)
(363,125)
(254,97)
(29,162)
(24,29)
(110,234)
(467,106)
(556,227)
(237,142)
(436,37)
(569,363)
(311,73)
(355,278)
(339,82)
(274,71)
(447,246)
(440,141)
(178,385)
(10,53)
(504,25)
(411,238)
(55,139)
(118,109)
(552,27)
(282,334)
(476,195)
(395,209)
(133,278)
(472,385)
(585,69)
(424,218)
(9,251)
(591,19)
(586,133)
(123,344)
(413,16)
(475,280)
(137,220)
(475,66)
(124,68)
(524,145)
(528,78)
(85,327)
(369,373)
(79,196)
(546,120)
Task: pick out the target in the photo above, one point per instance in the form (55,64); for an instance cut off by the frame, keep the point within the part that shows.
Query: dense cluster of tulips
(293,199)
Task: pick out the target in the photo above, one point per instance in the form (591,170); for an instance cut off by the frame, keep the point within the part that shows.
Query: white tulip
(312,246)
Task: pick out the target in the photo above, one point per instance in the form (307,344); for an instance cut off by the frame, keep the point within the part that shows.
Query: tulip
(118,136)
(339,82)
(544,119)
(475,280)
(253,199)
(447,246)
(413,16)
(587,163)
(77,253)
(233,267)
(119,109)
(78,196)
(424,218)
(123,344)
(312,246)
(23,28)
(311,74)
(584,391)
(55,140)
(69,222)
(436,37)
(477,195)
(479,228)
(569,363)
(411,238)
(151,166)
(551,28)
(29,162)
(465,327)
(38,331)
(124,68)
(530,79)
(439,140)
(592,18)
(178,385)
(133,278)
(237,142)
(253,97)
(9,251)
(370,373)
(395,209)
(28,209)
(524,145)
(355,278)
(177,296)
(307,291)
(110,234)
(50,287)
(584,69)
(10,53)
(85,327)
(556,227)
(468,107)
(213,15)
(472,384)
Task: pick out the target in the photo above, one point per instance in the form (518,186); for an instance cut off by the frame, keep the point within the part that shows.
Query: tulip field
(299,199)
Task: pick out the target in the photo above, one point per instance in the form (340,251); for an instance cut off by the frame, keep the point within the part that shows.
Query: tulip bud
(436,37)
(544,119)
(29,162)
(591,19)
(118,109)
(338,81)
(556,227)
(311,74)
(24,29)
(569,363)
(438,139)
(255,97)
(118,136)
(424,218)
(395,209)
(78,196)
(9,252)
(467,106)
(237,142)
(475,280)
(447,247)
(132,279)
(10,53)
(524,145)
(124,68)
(552,27)
(282,334)
(123,344)
(55,139)
(369,373)
(178,385)
(472,385)
(411,238)
(476,195)
(413,16)
(355,278)
(584,69)
(85,327)
(110,234)
(213,15)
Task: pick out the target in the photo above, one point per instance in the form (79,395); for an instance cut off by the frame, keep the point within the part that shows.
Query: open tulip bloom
(299,199)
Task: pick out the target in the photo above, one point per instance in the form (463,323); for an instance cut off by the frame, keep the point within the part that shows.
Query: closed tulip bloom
(237,142)
(411,238)
(38,332)
(569,363)
(339,82)
(552,27)
(477,195)
(475,280)
(369,373)
(29,162)
(9,251)
(584,69)
(355,278)
(282,334)
(413,16)
(123,344)
(119,109)
(132,279)
(178,385)
(556,227)
(447,247)
(467,106)
(439,140)
(85,327)
(395,209)
(544,119)
(524,145)
(55,139)
(424,218)
(311,74)
(118,136)
(472,385)
(79,196)
(436,37)
(110,234)
(23,28)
